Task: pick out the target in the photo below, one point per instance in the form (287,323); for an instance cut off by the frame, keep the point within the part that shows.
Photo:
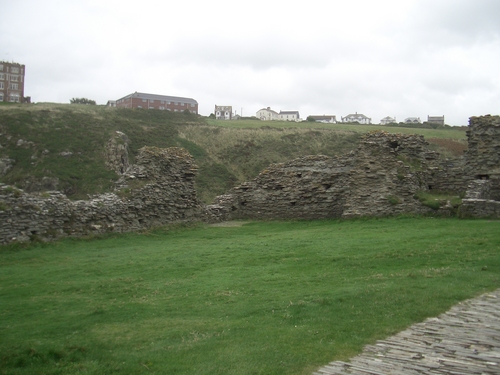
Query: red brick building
(162,102)
(12,82)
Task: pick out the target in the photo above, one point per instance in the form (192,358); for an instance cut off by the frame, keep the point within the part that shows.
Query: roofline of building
(141,95)
(11,63)
(268,109)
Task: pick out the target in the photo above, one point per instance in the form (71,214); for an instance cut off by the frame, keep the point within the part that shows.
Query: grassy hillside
(264,298)
(67,142)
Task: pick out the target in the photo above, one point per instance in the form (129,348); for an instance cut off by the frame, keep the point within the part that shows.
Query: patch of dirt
(229,224)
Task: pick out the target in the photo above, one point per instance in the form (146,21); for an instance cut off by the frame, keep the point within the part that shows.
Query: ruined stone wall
(448,176)
(483,153)
(157,190)
(482,167)
(380,183)
(376,180)
(380,178)
(310,187)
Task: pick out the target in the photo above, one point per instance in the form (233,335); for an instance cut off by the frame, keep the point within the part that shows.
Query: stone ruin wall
(306,188)
(158,189)
(482,157)
(380,178)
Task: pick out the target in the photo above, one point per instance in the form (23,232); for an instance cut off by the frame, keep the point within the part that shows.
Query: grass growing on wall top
(263,298)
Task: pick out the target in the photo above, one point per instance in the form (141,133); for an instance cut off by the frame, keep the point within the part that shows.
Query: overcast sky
(399,58)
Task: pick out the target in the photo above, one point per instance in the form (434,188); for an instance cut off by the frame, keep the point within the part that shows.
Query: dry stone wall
(157,190)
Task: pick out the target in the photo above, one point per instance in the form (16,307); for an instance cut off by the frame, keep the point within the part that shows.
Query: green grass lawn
(263,298)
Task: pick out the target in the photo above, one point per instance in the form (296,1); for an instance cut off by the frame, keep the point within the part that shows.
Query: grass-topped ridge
(67,142)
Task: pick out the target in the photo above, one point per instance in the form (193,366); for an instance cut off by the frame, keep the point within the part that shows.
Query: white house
(357,117)
(223,112)
(289,115)
(327,119)
(412,120)
(388,120)
(267,114)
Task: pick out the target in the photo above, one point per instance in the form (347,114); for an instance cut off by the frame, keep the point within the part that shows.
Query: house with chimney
(267,114)
(357,117)
(223,112)
(388,120)
(436,119)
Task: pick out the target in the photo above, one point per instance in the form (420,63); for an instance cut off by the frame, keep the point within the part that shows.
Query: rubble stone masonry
(483,166)
(381,177)
(158,189)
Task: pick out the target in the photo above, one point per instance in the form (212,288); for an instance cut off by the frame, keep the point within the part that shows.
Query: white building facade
(388,120)
(267,114)
(357,117)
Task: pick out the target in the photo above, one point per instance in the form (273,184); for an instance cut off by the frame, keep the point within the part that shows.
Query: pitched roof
(267,109)
(142,95)
(323,117)
(356,115)
(289,112)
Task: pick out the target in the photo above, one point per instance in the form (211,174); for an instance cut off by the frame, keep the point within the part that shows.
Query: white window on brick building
(2,76)
(14,86)
(13,78)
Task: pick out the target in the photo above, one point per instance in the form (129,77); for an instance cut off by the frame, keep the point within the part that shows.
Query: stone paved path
(463,341)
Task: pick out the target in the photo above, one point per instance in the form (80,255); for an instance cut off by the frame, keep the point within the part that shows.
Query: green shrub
(436,200)
(393,200)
